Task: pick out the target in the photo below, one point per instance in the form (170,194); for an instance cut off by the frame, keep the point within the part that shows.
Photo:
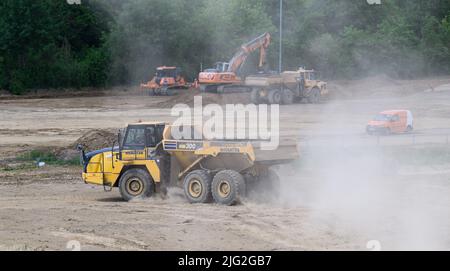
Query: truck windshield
(135,138)
(382,117)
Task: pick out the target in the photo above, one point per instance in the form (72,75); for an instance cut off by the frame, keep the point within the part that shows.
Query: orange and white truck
(391,122)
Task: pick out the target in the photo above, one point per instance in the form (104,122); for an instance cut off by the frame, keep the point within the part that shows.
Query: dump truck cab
(136,150)
(311,80)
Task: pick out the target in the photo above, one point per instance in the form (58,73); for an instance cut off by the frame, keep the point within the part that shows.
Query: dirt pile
(95,140)
(91,141)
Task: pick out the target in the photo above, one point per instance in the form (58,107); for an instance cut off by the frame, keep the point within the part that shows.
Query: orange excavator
(223,78)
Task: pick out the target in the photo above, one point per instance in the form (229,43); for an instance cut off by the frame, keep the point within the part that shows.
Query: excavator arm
(262,42)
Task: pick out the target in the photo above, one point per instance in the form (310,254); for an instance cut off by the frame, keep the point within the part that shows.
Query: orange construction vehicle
(223,77)
(391,122)
(166,81)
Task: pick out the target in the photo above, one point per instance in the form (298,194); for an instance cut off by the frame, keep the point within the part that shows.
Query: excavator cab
(222,66)
(219,67)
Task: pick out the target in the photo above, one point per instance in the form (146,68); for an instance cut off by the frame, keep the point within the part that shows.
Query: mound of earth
(91,141)
(95,140)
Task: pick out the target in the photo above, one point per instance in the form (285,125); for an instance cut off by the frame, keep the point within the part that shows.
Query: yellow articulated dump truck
(287,87)
(148,160)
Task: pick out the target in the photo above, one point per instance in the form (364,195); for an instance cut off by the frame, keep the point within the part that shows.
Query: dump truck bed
(285,153)
(234,155)
(263,80)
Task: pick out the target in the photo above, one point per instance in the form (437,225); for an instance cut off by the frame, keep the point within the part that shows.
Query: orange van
(391,121)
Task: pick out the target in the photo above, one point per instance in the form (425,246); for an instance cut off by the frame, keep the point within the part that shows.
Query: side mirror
(119,140)
(80,147)
(83,159)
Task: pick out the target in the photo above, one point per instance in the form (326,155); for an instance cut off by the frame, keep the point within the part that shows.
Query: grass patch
(47,157)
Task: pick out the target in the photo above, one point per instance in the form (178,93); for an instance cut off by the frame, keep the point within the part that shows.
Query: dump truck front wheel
(314,96)
(197,187)
(136,183)
(228,187)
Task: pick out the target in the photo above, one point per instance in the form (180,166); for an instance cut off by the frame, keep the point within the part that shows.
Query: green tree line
(51,44)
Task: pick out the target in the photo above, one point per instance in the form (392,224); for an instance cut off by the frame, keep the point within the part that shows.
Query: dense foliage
(51,44)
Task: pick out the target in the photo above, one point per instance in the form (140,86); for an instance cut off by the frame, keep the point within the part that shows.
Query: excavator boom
(262,42)
(224,75)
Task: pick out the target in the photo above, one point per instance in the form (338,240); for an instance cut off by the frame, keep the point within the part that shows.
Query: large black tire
(275,96)
(164,91)
(256,99)
(287,96)
(197,187)
(136,183)
(314,96)
(228,187)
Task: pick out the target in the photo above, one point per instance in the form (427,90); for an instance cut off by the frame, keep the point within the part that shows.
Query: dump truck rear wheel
(170,92)
(275,96)
(136,183)
(256,99)
(197,187)
(287,97)
(228,187)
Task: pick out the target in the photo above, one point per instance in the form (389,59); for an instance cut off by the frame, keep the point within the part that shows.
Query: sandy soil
(43,209)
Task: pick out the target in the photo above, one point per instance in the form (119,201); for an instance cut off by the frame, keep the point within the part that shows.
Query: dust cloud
(367,189)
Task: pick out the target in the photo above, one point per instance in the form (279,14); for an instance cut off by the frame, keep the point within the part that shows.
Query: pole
(280,60)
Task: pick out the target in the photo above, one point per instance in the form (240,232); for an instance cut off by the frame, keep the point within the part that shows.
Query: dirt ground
(338,205)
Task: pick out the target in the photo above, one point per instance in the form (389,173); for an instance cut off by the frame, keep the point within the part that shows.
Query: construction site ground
(346,190)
